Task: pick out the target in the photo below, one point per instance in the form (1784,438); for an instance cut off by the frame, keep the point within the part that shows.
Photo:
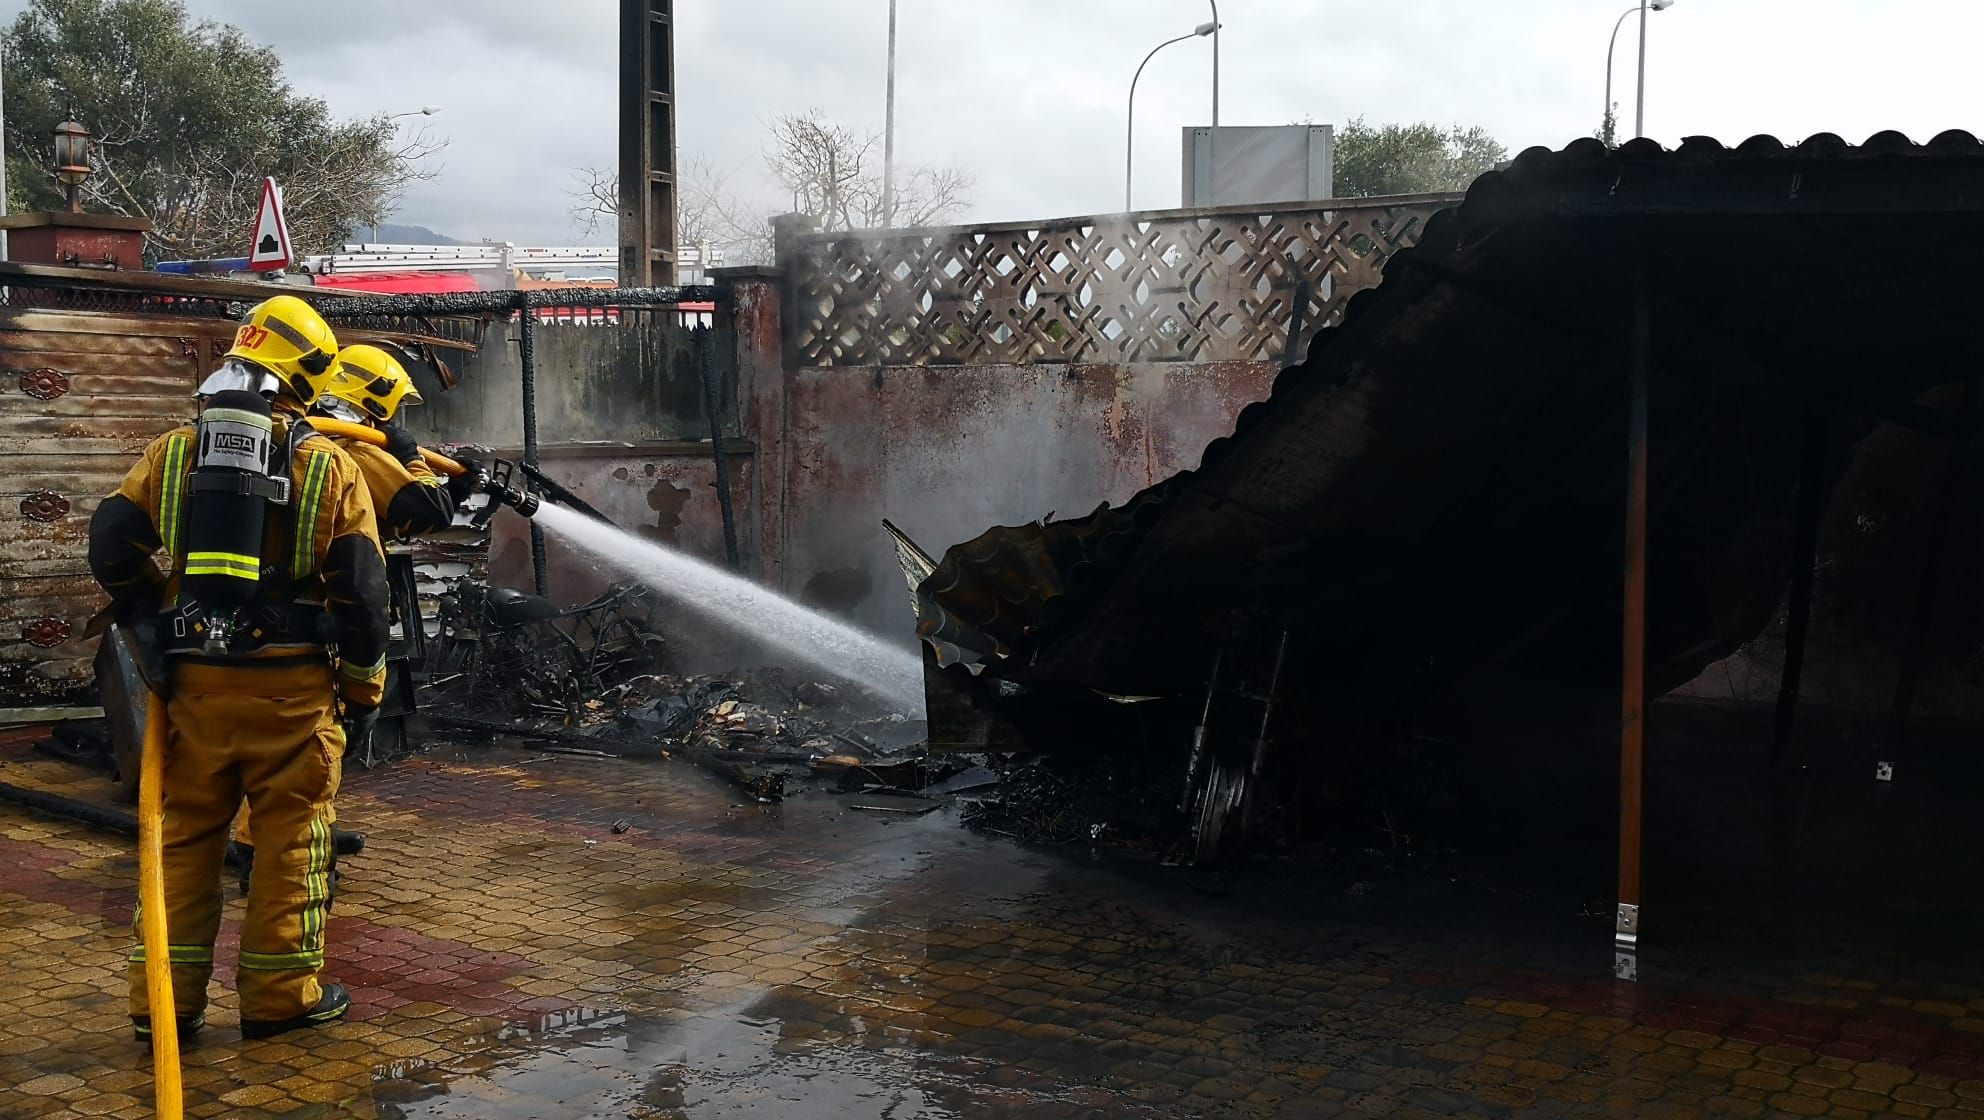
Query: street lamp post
(889,131)
(1130,122)
(3,149)
(1215,62)
(1639,110)
(1212,138)
(423,111)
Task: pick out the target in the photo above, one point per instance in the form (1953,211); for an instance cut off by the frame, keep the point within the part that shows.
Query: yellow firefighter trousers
(271,733)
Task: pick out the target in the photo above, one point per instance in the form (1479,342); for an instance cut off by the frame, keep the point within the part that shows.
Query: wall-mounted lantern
(72,160)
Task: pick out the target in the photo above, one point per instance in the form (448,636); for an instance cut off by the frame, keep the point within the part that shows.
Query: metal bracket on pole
(1626,942)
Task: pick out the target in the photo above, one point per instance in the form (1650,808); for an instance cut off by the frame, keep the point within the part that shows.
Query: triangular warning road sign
(268,247)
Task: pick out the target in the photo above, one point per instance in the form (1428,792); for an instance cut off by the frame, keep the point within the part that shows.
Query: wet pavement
(513,955)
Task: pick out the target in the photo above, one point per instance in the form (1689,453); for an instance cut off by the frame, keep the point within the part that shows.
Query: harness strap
(277,617)
(273,489)
(185,629)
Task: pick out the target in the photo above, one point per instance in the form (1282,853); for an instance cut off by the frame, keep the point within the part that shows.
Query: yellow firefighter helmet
(372,381)
(287,337)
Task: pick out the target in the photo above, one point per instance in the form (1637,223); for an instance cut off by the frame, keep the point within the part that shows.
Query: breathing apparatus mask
(337,408)
(235,374)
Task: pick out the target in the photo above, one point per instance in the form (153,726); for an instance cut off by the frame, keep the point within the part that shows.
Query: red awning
(399,283)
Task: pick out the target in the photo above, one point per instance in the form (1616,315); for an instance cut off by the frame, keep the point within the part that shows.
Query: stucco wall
(637,379)
(946,451)
(621,422)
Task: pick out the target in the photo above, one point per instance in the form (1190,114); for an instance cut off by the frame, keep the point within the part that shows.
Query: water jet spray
(822,643)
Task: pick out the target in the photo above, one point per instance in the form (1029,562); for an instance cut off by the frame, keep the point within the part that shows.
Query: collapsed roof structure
(1441,489)
(1442,477)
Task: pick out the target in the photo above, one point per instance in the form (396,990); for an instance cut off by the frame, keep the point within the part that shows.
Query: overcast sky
(1029,94)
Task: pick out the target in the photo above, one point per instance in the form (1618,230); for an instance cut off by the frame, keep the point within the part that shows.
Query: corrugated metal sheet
(93,366)
(1442,476)
(121,381)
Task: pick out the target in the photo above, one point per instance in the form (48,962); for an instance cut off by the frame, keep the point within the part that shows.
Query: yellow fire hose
(377,438)
(151,900)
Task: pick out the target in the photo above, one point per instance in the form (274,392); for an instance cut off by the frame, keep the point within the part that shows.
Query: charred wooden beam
(500,303)
(1812,493)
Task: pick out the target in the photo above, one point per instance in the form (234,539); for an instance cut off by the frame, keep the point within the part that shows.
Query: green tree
(187,119)
(1419,158)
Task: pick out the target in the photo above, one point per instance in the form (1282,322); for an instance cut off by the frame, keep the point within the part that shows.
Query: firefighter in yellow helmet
(272,632)
(369,386)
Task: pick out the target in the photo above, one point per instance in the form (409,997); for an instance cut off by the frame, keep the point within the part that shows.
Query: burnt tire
(1222,806)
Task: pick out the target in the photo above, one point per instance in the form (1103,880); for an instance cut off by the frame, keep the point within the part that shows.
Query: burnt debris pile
(764,730)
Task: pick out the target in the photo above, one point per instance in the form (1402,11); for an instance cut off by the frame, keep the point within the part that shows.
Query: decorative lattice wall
(1179,285)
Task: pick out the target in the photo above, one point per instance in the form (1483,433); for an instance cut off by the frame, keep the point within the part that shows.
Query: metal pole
(1212,140)
(713,404)
(1611,46)
(1804,557)
(889,131)
(1130,118)
(1291,350)
(527,355)
(1639,105)
(1130,139)
(3,148)
(1632,675)
(1215,62)
(1257,760)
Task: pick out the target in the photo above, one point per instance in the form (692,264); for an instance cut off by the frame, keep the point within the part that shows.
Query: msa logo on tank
(234,444)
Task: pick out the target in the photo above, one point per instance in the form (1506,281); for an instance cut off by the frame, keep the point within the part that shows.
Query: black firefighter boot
(332,1007)
(189,1025)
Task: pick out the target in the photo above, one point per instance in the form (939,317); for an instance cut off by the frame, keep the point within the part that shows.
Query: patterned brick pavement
(513,956)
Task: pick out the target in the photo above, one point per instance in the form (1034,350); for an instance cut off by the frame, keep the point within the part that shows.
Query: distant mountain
(391,233)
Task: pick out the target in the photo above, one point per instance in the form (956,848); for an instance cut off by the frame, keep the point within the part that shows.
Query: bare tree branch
(595,197)
(828,172)
(933,194)
(707,211)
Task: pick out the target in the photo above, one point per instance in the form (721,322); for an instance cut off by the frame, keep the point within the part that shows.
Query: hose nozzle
(494,480)
(524,502)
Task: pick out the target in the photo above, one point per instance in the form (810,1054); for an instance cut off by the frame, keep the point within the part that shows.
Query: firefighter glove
(399,444)
(467,482)
(359,723)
